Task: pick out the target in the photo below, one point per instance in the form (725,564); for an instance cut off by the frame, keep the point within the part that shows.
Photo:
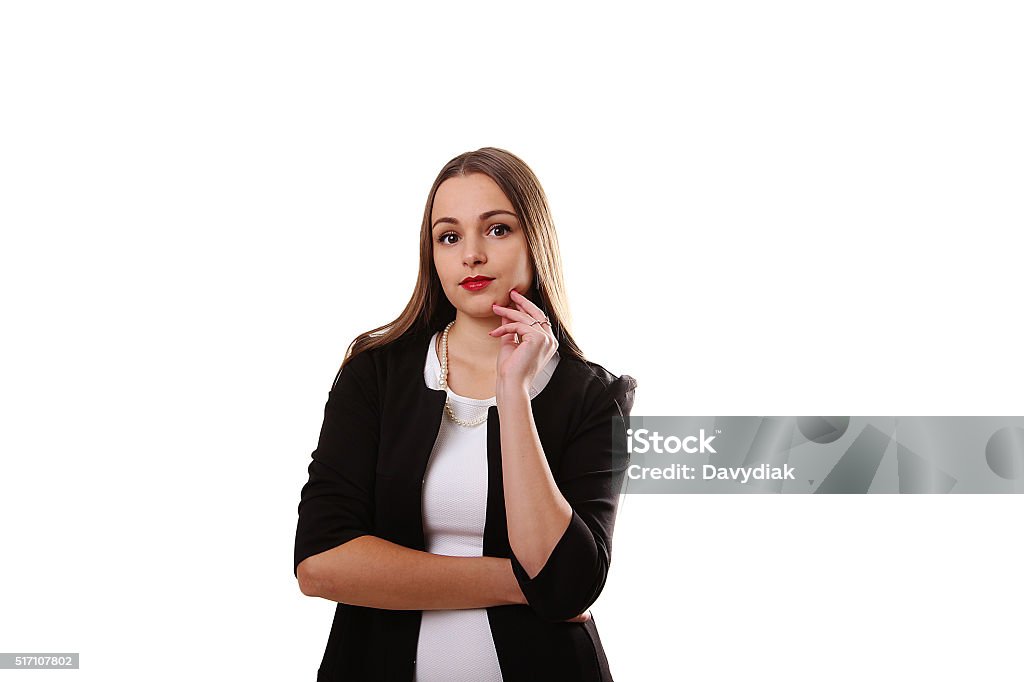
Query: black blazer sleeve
(577,568)
(336,503)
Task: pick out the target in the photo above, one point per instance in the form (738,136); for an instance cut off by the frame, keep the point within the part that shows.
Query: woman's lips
(476,285)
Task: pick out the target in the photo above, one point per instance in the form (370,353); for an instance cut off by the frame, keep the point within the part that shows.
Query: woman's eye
(505,229)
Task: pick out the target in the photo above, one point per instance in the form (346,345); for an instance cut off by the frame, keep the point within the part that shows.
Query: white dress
(456,644)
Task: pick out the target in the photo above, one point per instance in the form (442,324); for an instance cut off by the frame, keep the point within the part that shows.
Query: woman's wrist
(511,397)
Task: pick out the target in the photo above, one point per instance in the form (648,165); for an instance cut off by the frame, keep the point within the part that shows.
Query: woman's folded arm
(337,557)
(371,571)
(590,478)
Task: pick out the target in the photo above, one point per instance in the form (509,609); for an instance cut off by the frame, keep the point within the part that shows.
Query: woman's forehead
(469,194)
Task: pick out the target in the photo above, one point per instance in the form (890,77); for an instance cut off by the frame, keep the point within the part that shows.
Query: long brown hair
(429,308)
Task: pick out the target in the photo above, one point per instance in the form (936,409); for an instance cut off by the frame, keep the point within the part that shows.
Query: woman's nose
(473,254)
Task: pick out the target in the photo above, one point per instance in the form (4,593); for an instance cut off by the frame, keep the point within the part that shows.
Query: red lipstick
(476,282)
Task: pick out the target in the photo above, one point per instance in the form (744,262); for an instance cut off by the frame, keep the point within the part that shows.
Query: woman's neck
(468,338)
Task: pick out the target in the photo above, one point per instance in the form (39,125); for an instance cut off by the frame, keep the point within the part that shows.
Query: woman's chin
(478,309)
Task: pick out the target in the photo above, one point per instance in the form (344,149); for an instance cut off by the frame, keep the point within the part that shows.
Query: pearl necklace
(443,381)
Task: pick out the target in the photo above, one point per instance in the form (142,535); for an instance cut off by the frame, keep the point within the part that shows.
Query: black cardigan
(366,477)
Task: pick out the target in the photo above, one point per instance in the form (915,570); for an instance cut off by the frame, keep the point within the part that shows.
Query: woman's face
(476,232)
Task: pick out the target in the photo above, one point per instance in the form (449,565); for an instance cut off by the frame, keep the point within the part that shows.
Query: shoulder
(595,386)
(595,378)
(395,358)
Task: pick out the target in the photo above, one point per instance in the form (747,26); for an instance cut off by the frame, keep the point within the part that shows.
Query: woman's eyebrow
(483,216)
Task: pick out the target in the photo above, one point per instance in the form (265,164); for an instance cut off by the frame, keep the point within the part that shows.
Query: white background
(764,208)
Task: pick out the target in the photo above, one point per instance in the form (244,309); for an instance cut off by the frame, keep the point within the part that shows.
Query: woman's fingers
(529,306)
(512,314)
(529,321)
(520,328)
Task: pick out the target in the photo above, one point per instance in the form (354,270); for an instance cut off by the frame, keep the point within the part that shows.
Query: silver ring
(544,321)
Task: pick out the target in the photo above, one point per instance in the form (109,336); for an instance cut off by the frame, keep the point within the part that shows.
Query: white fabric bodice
(456,644)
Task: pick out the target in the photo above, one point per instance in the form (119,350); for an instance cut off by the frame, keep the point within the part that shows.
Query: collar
(432,375)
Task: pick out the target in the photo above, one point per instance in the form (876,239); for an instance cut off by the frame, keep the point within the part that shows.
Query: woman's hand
(518,363)
(582,618)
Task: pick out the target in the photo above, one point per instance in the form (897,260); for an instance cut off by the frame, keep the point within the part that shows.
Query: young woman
(461,499)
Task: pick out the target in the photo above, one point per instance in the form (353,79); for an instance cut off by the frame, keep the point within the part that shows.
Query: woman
(461,499)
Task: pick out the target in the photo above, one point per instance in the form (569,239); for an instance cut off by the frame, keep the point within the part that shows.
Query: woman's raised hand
(518,363)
